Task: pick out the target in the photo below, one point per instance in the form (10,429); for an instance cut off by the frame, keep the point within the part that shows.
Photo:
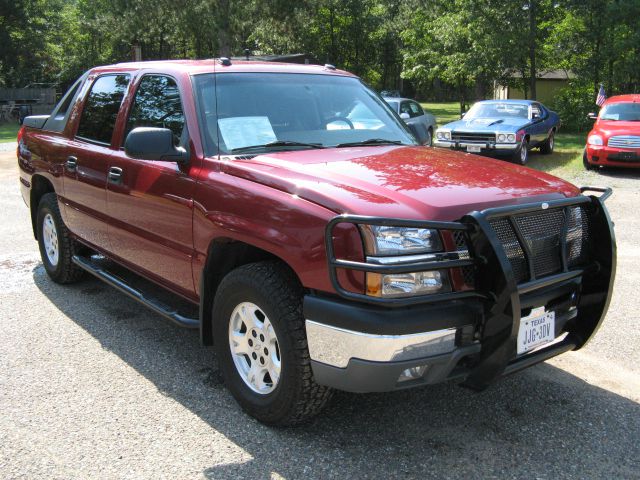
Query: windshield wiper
(371,141)
(275,144)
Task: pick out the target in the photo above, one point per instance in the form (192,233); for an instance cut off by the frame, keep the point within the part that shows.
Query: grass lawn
(566,160)
(8,131)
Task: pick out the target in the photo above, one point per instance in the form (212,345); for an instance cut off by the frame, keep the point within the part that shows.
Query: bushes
(573,103)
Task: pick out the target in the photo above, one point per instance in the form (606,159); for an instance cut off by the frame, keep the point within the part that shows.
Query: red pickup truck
(323,247)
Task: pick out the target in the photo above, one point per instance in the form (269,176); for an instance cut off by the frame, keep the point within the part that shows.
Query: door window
(416,110)
(405,108)
(157,104)
(101,108)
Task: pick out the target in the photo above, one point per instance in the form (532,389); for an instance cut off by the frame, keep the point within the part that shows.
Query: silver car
(423,123)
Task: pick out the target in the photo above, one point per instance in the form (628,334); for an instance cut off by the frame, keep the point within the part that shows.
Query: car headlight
(385,241)
(407,284)
(443,135)
(511,138)
(502,137)
(595,140)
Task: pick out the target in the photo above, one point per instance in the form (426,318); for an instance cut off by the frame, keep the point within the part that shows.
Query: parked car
(615,137)
(503,128)
(423,123)
(391,93)
(317,258)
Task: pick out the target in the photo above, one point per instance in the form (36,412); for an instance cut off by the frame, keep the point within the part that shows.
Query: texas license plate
(474,148)
(536,330)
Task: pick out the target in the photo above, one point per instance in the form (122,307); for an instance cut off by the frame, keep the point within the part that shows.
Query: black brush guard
(496,286)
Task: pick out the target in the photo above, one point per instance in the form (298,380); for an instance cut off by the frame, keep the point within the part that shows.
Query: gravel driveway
(94,385)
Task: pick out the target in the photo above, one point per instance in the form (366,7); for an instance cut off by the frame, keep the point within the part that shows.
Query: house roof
(559,74)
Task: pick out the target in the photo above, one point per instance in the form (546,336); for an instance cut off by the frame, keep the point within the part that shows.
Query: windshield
(274,111)
(629,112)
(492,110)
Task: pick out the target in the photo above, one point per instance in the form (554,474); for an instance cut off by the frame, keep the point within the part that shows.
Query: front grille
(471,137)
(539,237)
(462,247)
(624,141)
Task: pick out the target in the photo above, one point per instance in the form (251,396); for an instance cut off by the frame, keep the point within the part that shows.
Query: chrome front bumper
(362,362)
(484,146)
(336,346)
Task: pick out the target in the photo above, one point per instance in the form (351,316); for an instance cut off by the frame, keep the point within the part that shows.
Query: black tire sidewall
(265,406)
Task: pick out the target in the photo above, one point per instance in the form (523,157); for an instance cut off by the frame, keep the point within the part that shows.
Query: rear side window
(58,118)
(157,104)
(101,108)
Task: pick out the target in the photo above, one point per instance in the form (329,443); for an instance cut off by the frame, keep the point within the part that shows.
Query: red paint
(161,219)
(607,129)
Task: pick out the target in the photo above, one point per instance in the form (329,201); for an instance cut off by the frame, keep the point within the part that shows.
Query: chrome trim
(403,259)
(336,346)
(631,142)
(484,146)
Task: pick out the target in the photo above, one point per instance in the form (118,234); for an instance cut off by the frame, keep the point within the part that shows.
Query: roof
(548,75)
(630,97)
(511,100)
(192,67)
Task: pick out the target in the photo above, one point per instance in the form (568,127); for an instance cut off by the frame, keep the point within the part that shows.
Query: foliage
(418,46)
(573,103)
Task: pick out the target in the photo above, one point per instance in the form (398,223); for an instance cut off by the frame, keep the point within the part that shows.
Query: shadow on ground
(541,423)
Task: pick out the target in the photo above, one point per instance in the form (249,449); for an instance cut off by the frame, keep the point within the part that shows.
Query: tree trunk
(532,49)
(224,46)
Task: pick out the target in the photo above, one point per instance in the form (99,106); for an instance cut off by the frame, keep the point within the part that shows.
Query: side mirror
(592,116)
(463,114)
(149,143)
(404,116)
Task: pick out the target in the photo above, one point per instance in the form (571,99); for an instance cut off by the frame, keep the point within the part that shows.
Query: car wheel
(547,147)
(585,161)
(521,155)
(56,245)
(261,344)
(428,141)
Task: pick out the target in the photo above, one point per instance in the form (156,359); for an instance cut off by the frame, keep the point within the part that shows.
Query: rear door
(150,203)
(88,157)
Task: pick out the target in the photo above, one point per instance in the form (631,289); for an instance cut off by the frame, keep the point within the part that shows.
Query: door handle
(71,164)
(115,175)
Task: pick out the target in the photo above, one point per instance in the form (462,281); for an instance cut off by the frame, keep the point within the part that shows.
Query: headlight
(443,135)
(594,140)
(502,137)
(511,138)
(385,241)
(407,284)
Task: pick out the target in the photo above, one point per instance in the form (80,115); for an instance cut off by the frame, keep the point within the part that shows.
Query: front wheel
(56,245)
(585,161)
(261,344)
(521,155)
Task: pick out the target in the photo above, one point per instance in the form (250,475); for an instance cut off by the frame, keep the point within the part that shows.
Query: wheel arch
(40,185)
(224,255)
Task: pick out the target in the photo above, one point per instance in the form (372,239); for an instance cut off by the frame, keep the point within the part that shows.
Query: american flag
(602,96)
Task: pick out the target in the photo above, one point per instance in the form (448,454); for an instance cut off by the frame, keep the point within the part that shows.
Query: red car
(615,137)
(288,214)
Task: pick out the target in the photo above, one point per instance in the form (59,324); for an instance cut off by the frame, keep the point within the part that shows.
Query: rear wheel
(547,147)
(56,245)
(261,344)
(521,155)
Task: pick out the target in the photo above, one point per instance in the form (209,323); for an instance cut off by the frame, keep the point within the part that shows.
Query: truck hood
(481,125)
(399,181)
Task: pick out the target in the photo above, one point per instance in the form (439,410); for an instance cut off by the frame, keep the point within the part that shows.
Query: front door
(150,203)
(88,158)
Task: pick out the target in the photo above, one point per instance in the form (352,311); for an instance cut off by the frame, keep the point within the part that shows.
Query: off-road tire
(65,271)
(274,289)
(547,147)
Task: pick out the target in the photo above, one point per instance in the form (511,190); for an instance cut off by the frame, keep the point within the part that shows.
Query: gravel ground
(94,385)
